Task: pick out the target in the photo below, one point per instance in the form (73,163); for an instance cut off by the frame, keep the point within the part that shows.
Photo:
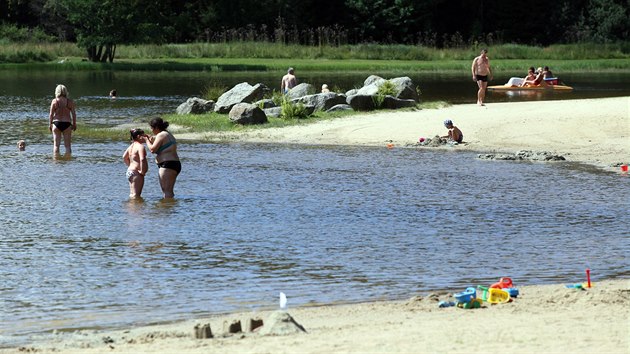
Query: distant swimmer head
(448,122)
(21,145)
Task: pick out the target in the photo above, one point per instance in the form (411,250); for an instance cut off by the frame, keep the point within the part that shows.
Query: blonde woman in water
(62,120)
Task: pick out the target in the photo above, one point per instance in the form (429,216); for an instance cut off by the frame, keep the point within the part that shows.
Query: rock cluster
(245,104)
(523,155)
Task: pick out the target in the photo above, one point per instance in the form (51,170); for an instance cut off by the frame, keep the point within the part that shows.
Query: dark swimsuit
(62,125)
(483,78)
(173,165)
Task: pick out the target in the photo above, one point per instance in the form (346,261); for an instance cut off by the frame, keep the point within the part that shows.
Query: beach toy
(575,286)
(498,296)
(588,278)
(503,283)
(446,304)
(484,292)
(512,291)
(624,168)
(466,295)
(473,304)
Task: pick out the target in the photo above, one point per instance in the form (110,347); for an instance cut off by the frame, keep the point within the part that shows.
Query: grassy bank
(322,65)
(238,56)
(214,122)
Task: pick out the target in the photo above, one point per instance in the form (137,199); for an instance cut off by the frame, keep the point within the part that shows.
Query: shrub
(213,93)
(292,110)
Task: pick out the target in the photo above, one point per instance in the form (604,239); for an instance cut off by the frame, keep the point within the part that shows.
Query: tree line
(99,25)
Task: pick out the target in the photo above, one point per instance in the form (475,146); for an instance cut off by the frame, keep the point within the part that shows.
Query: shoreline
(543,318)
(590,131)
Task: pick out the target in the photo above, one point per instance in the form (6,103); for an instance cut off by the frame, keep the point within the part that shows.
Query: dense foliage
(99,25)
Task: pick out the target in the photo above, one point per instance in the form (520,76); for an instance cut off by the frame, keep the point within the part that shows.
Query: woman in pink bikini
(135,157)
(62,120)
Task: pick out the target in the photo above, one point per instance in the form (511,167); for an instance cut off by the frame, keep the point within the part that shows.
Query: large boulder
(195,105)
(362,102)
(273,112)
(340,107)
(247,113)
(390,102)
(405,88)
(300,90)
(265,103)
(241,93)
(373,80)
(322,101)
(369,90)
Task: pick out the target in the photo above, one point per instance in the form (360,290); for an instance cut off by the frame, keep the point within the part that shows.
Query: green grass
(308,65)
(214,122)
(264,56)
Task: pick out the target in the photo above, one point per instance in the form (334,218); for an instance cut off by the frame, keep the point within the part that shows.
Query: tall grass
(160,54)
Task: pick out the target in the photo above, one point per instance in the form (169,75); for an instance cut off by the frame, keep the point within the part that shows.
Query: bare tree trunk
(105,53)
(112,53)
(99,52)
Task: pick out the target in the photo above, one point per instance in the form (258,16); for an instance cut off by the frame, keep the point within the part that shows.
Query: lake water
(322,224)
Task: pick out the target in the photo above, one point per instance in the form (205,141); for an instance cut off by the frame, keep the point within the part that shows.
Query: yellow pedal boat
(530,88)
(551,84)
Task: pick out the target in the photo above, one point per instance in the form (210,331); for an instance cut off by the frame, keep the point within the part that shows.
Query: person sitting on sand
(135,158)
(454,134)
(21,145)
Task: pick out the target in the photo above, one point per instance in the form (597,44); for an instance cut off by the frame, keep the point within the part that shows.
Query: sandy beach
(543,319)
(593,131)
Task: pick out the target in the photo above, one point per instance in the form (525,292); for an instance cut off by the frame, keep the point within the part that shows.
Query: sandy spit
(593,131)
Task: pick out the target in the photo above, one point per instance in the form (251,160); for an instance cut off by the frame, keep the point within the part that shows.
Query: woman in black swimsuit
(164,146)
(62,120)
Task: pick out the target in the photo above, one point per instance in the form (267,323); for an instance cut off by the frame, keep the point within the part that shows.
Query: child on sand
(454,134)
(135,158)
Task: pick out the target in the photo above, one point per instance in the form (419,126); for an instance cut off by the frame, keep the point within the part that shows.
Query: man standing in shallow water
(481,73)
